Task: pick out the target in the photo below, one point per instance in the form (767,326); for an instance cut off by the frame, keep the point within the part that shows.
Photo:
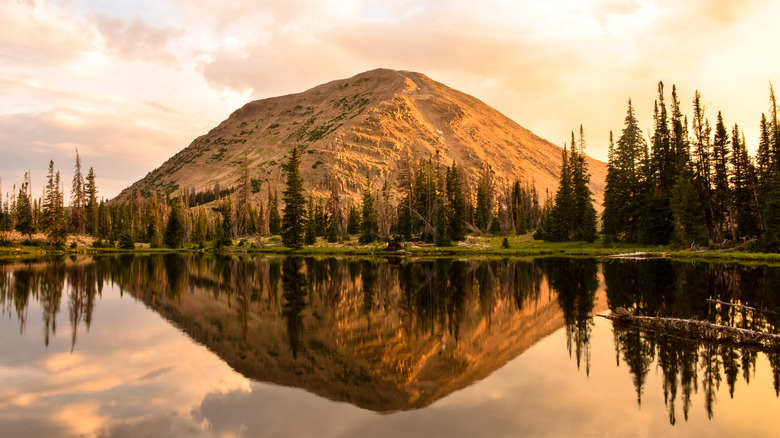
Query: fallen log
(696,329)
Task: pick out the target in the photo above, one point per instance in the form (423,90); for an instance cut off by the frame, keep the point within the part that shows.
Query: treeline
(435,204)
(29,215)
(693,184)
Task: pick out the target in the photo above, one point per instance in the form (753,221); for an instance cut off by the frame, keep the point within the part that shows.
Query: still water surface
(206,346)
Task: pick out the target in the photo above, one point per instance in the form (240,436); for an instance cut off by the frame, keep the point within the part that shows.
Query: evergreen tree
(764,159)
(664,160)
(353,220)
(24,209)
(560,226)
(50,199)
(425,196)
(153,221)
(456,207)
(333,215)
(406,191)
(274,219)
(310,236)
(583,226)
(481,209)
(368,223)
(626,182)
(243,215)
(104,221)
(721,195)
(91,207)
(225,234)
(687,211)
(702,165)
(743,181)
(77,199)
(57,232)
(174,230)
(442,237)
(294,204)
(518,201)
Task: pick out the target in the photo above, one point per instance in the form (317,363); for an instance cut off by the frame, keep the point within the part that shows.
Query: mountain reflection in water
(398,335)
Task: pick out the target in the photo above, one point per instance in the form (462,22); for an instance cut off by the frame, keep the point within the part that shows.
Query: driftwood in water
(701,330)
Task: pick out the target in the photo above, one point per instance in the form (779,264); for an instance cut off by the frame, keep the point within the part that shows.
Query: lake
(210,346)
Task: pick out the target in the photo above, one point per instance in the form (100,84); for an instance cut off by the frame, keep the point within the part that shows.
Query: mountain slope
(360,126)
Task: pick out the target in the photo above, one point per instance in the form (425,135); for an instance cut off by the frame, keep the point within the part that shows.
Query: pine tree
(353,220)
(91,207)
(406,191)
(368,223)
(518,201)
(104,221)
(24,211)
(294,204)
(626,181)
(77,199)
(244,193)
(743,181)
(481,209)
(174,230)
(310,235)
(456,207)
(702,163)
(333,210)
(663,157)
(57,232)
(583,216)
(720,178)
(560,226)
(764,159)
(274,219)
(153,221)
(50,199)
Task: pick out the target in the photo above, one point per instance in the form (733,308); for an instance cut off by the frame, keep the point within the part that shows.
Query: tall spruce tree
(368,224)
(721,195)
(77,199)
(91,207)
(310,235)
(274,219)
(583,225)
(57,232)
(744,190)
(702,162)
(174,230)
(456,206)
(626,182)
(293,216)
(24,210)
(406,191)
(561,216)
(519,208)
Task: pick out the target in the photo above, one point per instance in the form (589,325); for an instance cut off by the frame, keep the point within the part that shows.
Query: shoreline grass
(474,246)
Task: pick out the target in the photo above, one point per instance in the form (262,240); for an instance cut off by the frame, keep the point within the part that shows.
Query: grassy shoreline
(519,246)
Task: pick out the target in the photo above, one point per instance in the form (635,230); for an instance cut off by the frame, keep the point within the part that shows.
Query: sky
(131,83)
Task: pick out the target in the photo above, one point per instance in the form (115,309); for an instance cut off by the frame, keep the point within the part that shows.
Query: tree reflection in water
(357,305)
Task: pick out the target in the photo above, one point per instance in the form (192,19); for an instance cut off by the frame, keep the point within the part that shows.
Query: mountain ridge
(358,127)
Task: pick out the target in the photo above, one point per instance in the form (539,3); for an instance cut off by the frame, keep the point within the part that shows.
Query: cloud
(30,140)
(133,39)
(39,35)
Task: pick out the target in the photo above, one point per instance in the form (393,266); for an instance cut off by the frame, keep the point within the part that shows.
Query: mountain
(360,126)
